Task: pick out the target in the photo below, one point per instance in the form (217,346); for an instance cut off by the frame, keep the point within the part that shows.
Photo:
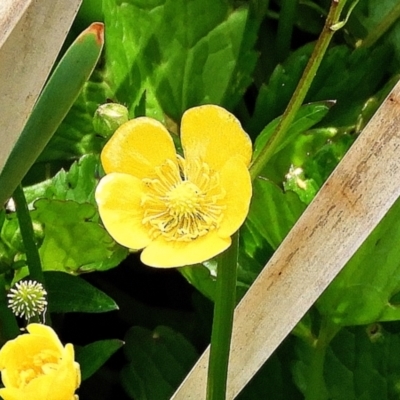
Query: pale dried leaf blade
(11,11)
(30,41)
(348,207)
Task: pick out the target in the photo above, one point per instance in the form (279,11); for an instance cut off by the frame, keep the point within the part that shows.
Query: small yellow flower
(36,366)
(181,211)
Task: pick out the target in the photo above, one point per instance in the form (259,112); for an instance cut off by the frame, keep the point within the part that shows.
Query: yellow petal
(60,379)
(45,332)
(12,394)
(169,254)
(60,384)
(137,147)
(64,379)
(24,347)
(214,135)
(119,200)
(236,181)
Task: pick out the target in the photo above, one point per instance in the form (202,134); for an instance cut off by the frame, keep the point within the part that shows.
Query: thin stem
(301,89)
(8,324)
(375,34)
(28,238)
(285,28)
(224,306)
(316,389)
(26,227)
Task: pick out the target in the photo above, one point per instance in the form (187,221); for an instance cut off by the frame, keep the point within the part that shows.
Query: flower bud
(36,366)
(27,299)
(108,117)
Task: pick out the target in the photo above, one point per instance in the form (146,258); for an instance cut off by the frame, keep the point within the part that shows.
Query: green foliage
(158,361)
(78,184)
(274,380)
(92,356)
(273,212)
(12,249)
(367,367)
(201,278)
(162,57)
(52,106)
(181,58)
(70,236)
(365,291)
(360,363)
(68,293)
(307,117)
(76,136)
(358,76)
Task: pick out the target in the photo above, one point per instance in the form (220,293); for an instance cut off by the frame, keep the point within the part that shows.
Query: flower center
(183,200)
(43,363)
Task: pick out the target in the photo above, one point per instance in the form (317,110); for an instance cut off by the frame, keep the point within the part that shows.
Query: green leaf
(274,381)
(254,253)
(377,21)
(57,97)
(158,362)
(305,188)
(360,74)
(273,212)
(201,278)
(94,355)
(363,363)
(73,241)
(66,223)
(77,184)
(308,116)
(321,162)
(67,293)
(199,60)
(346,76)
(75,136)
(365,290)
(274,96)
(11,246)
(309,17)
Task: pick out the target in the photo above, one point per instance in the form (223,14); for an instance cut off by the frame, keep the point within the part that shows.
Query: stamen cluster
(27,299)
(182,201)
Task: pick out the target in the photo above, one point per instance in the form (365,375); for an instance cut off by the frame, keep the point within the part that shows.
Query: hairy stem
(302,88)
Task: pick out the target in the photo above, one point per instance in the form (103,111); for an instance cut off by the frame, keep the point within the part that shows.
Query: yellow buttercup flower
(180,211)
(36,366)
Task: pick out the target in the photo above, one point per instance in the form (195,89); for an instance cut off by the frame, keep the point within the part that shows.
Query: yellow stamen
(42,363)
(183,200)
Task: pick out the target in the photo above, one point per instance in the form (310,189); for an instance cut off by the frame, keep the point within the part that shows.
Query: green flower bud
(108,117)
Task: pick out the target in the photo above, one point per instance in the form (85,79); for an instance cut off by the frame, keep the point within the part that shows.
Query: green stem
(31,250)
(375,34)
(301,89)
(285,28)
(316,388)
(28,238)
(224,306)
(8,324)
